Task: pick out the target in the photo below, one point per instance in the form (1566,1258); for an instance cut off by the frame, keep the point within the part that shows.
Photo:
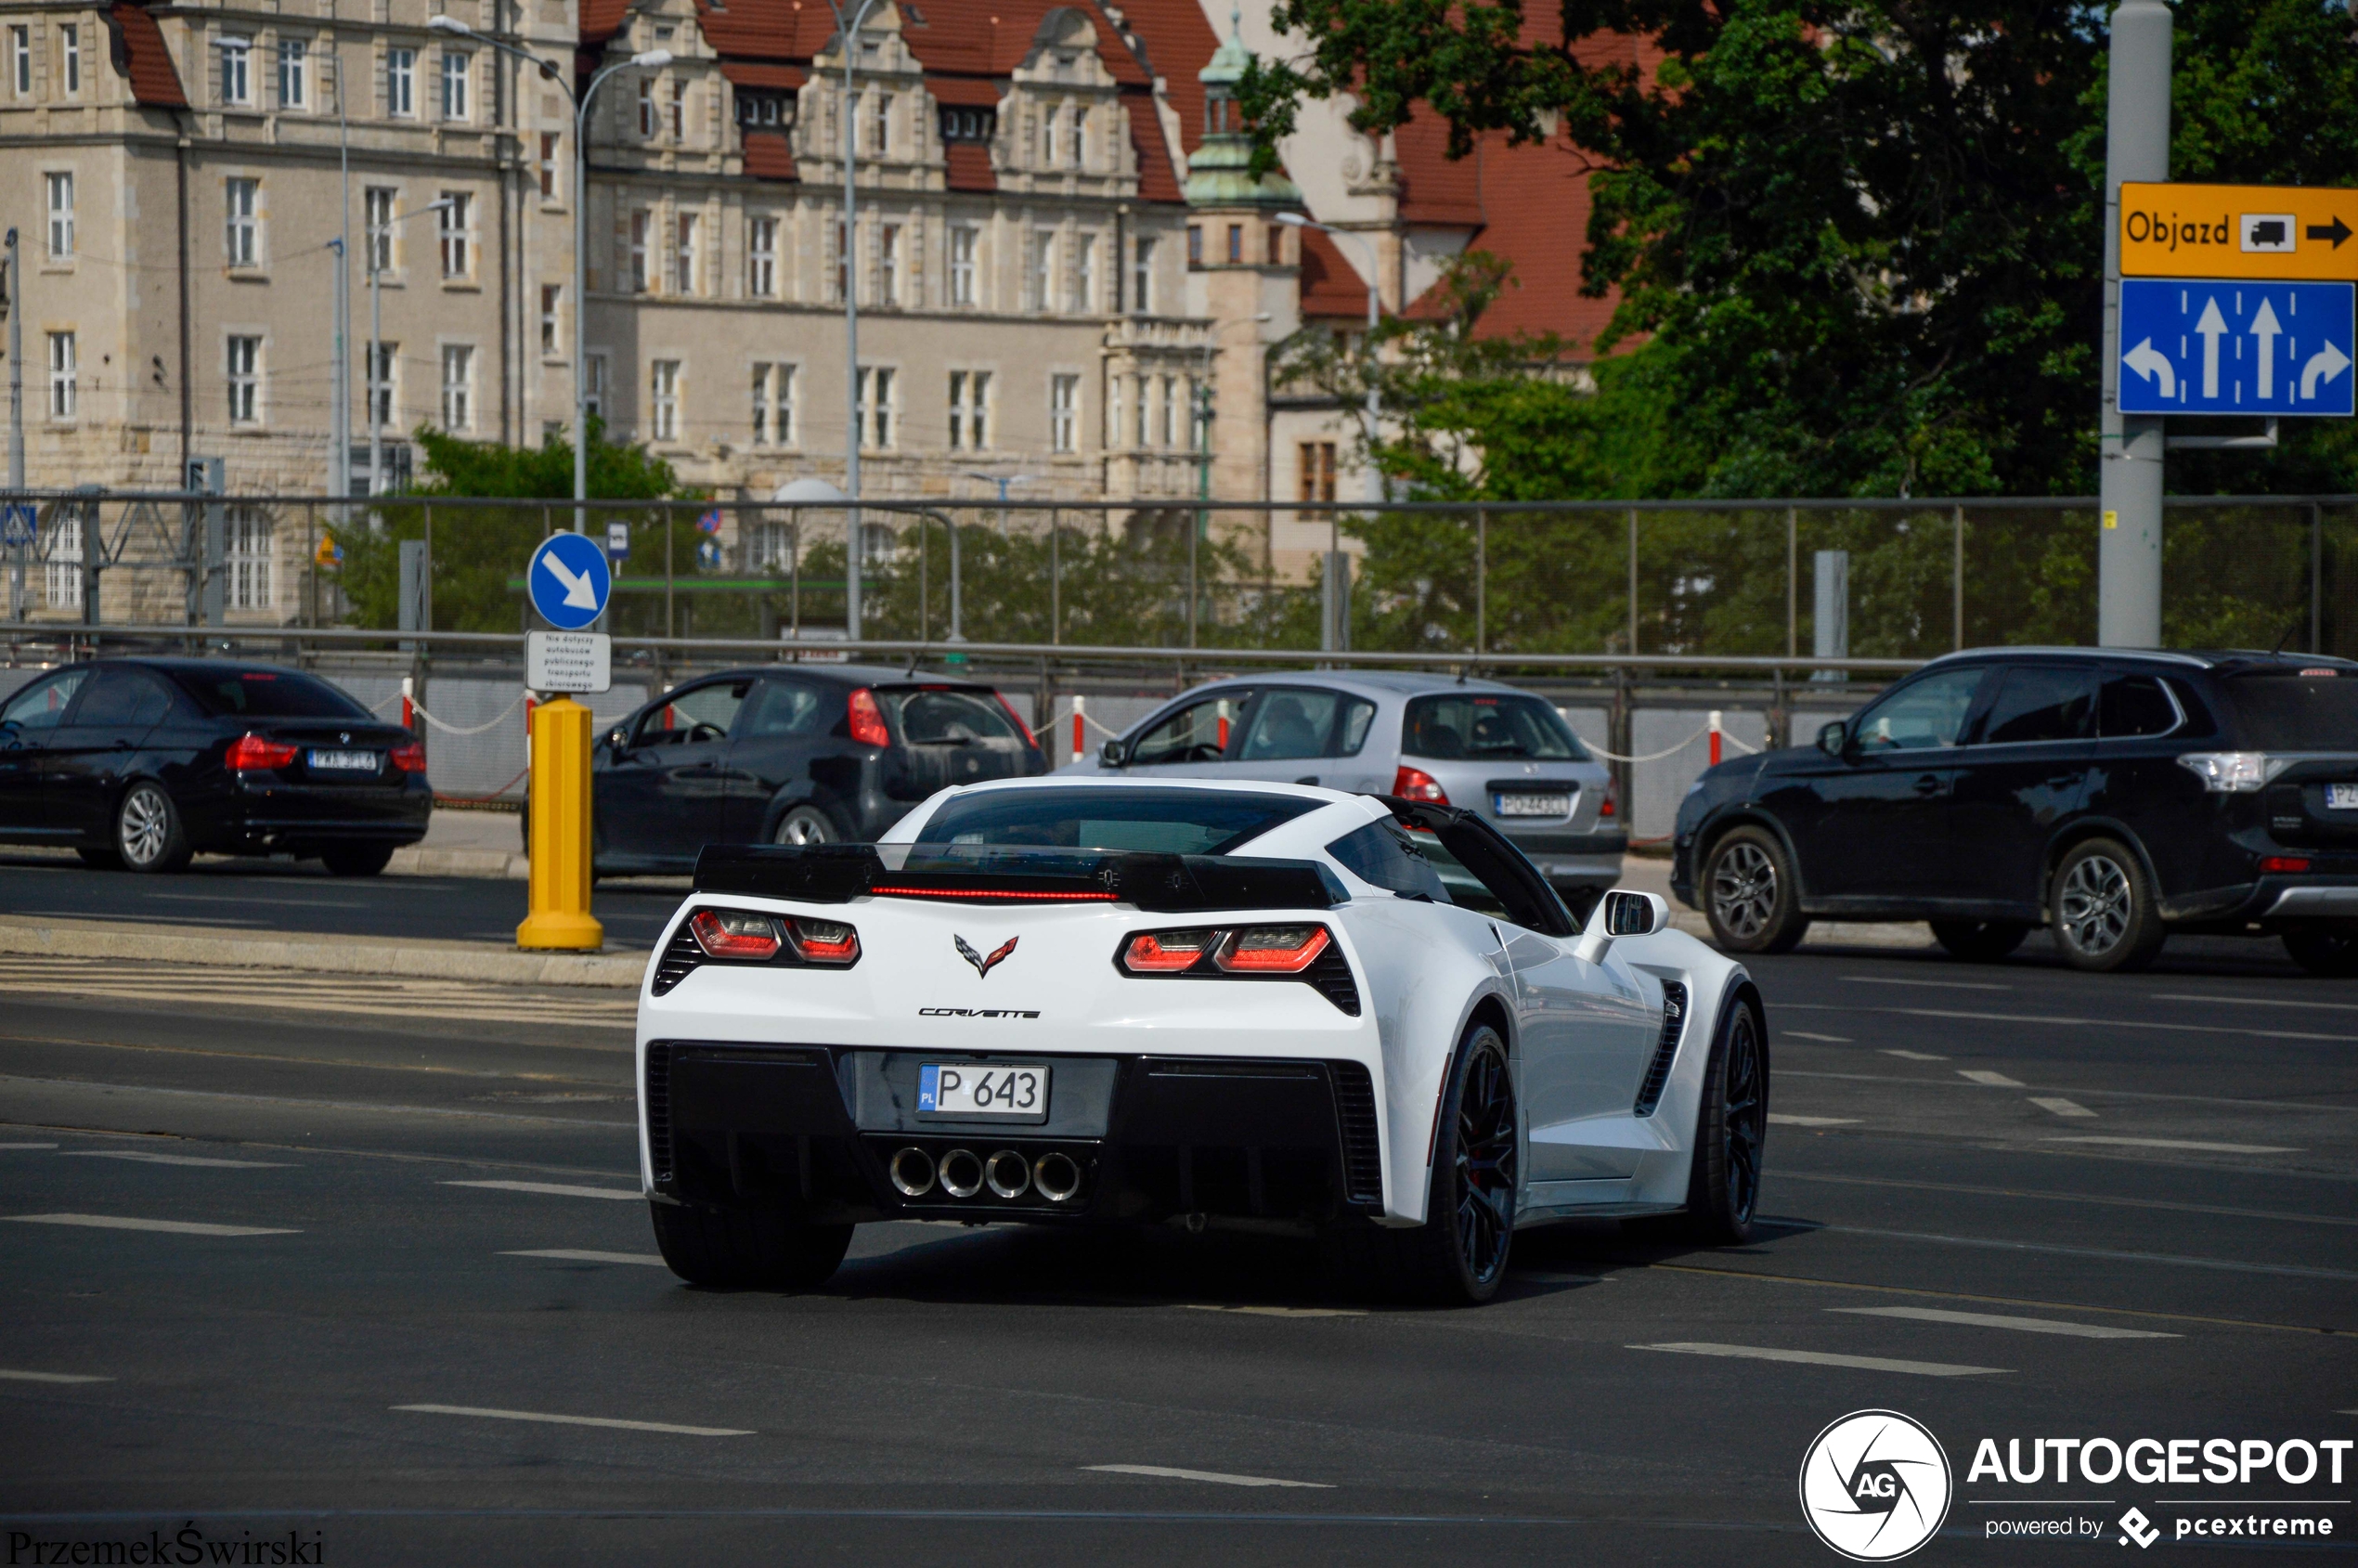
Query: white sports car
(1069,1000)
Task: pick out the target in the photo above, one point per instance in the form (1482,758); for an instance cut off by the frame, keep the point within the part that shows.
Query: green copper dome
(1220,171)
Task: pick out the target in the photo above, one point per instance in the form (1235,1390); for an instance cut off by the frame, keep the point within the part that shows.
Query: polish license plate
(1532,805)
(2341,798)
(343,762)
(983,1091)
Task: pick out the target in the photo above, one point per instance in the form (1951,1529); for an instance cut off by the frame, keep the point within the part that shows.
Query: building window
(1143,382)
(61,216)
(244,233)
(1142,277)
(1048,137)
(377,207)
(454,83)
(401,83)
(63,388)
(1080,136)
(762,257)
(294,71)
(593,386)
(683,252)
(646,109)
(64,568)
(1194,244)
(962,265)
(458,387)
(237,71)
(548,165)
(640,222)
(843,264)
(773,405)
(970,410)
(1236,243)
(877,385)
(1317,471)
(245,381)
(680,114)
(665,379)
(1064,409)
(1169,411)
(551,295)
(246,540)
(969,124)
(774,545)
(1084,280)
(762,110)
(1044,269)
(69,46)
(888,264)
(457,258)
(381,364)
(880,126)
(1198,418)
(21,62)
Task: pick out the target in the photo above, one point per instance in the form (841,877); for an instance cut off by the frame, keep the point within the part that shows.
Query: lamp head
(654,59)
(450,25)
(1293,220)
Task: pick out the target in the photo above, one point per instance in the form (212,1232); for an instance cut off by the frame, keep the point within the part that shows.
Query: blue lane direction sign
(2202,347)
(568,580)
(19,524)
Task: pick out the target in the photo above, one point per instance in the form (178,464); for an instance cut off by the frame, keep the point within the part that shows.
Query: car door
(1874,821)
(662,795)
(101,736)
(28,723)
(784,720)
(2024,775)
(1300,734)
(1194,740)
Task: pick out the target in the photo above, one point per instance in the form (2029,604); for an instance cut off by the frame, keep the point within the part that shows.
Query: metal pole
(340,420)
(1792,581)
(1957,578)
(848,39)
(1055,577)
(376,360)
(1191,586)
(957,621)
(1633,583)
(2130,481)
(16,416)
(2316,578)
(1482,579)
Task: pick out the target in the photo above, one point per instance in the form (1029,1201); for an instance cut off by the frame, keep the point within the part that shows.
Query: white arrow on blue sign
(2240,347)
(19,524)
(568,580)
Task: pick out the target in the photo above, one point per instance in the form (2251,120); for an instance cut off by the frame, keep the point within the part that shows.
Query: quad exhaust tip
(961,1172)
(1008,1172)
(912,1171)
(1056,1177)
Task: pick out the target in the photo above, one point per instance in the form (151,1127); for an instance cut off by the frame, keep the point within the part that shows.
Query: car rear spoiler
(1162,884)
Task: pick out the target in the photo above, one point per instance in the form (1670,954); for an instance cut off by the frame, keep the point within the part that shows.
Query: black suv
(2114,795)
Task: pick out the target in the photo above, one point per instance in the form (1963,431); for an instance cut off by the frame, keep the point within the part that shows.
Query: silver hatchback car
(1502,753)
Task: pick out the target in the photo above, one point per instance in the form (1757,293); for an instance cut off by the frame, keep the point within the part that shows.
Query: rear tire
(1731,1127)
(808,824)
(1979,941)
(2102,906)
(357,860)
(2329,949)
(147,834)
(1750,894)
(99,859)
(746,1247)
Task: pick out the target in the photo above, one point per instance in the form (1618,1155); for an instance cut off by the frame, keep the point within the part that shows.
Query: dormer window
(764,112)
(969,124)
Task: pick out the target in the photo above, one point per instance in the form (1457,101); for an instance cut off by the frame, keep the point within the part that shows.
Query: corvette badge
(984,966)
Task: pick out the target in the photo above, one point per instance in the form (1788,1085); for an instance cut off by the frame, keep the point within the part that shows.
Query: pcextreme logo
(1875,1485)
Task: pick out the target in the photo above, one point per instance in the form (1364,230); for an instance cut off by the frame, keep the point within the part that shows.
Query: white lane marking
(28,1145)
(14,1376)
(1168,1473)
(1275,1311)
(1938,985)
(2111,1023)
(579,1255)
(1828,1358)
(2060,1106)
(1778,1118)
(288,903)
(574,1420)
(2229,1265)
(2099,1199)
(175,1227)
(1912,1055)
(1994,1079)
(2318,1107)
(2181,1143)
(2256,1002)
(556,1189)
(1994,1320)
(1829,1039)
(146,1157)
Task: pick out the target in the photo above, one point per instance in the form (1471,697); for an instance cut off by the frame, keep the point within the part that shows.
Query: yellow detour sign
(2238,231)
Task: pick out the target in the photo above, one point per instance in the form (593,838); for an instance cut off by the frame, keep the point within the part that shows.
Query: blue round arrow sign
(568,581)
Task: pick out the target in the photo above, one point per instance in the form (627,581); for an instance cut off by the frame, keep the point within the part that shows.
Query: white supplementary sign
(568,661)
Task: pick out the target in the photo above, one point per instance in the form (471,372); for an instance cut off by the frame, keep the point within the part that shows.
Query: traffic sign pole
(2130,477)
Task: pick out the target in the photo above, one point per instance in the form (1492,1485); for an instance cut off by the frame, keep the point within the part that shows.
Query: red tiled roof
(1433,190)
(1536,199)
(966,92)
(768,156)
(1158,179)
(142,56)
(1331,287)
(745,73)
(970,167)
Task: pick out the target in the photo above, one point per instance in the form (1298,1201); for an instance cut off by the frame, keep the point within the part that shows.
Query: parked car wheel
(1979,941)
(357,860)
(1750,895)
(2329,949)
(808,824)
(147,829)
(2103,907)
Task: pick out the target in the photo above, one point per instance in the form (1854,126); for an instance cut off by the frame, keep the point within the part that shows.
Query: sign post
(569,583)
(2130,470)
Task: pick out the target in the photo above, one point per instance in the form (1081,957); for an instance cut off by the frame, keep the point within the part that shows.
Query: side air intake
(1673,1021)
(1355,1109)
(659,1110)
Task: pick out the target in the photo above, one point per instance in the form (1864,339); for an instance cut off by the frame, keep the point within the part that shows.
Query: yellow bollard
(559,800)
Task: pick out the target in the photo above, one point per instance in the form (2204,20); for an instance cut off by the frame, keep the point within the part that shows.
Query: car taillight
(867,720)
(1609,805)
(1272,949)
(409,757)
(728,933)
(1415,784)
(1165,953)
(2282,862)
(824,941)
(252,751)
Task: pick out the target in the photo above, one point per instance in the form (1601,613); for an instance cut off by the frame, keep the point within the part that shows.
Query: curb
(509,865)
(320,954)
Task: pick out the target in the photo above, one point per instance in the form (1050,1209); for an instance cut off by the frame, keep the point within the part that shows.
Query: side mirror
(617,740)
(1834,738)
(1621,912)
(1113,753)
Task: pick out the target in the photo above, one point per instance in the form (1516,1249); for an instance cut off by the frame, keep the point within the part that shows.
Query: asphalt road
(2011,1202)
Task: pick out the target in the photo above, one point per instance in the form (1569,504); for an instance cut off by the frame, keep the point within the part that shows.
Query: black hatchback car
(2115,796)
(140,763)
(792,754)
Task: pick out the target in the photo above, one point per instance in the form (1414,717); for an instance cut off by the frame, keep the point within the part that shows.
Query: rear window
(1488,725)
(941,716)
(269,694)
(1170,822)
(2309,711)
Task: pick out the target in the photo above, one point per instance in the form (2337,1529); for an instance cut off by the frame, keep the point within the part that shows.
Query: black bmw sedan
(2115,796)
(792,754)
(140,763)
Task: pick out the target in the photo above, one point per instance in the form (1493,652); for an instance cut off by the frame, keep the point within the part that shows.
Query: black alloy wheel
(1979,941)
(1483,1163)
(807,824)
(1750,894)
(742,1247)
(2102,906)
(2328,948)
(1731,1132)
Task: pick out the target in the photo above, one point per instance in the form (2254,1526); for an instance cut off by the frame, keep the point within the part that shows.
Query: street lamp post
(376,342)
(651,59)
(848,40)
(1375,404)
